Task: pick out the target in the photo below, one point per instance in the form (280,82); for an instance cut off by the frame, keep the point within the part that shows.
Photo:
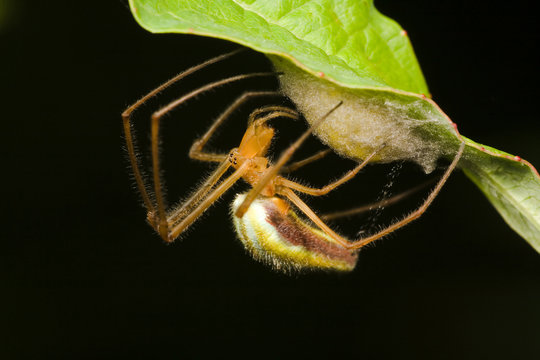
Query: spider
(266,217)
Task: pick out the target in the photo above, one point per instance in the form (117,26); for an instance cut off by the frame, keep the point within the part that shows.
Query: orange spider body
(252,154)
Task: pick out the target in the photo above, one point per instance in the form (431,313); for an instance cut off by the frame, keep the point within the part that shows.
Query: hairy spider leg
(298,164)
(196,151)
(416,213)
(352,245)
(126,119)
(333,185)
(301,163)
(267,109)
(382,203)
(209,200)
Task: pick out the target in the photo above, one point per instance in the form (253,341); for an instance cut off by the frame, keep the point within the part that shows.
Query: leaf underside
(349,44)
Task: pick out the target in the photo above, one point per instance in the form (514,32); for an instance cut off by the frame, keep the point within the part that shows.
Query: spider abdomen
(282,240)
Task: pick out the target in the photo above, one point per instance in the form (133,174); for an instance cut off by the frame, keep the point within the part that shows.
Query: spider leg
(177,229)
(333,185)
(183,209)
(416,213)
(302,206)
(272,171)
(270,108)
(289,194)
(126,118)
(277,114)
(298,164)
(155,121)
(384,202)
(196,151)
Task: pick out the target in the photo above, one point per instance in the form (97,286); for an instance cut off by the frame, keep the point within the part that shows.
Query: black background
(83,275)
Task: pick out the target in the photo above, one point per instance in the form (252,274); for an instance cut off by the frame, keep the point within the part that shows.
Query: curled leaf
(346,49)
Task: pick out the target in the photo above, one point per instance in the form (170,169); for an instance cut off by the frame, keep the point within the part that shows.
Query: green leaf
(510,183)
(349,40)
(345,50)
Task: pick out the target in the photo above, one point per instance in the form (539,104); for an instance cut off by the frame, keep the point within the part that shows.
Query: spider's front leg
(181,211)
(130,138)
(197,149)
